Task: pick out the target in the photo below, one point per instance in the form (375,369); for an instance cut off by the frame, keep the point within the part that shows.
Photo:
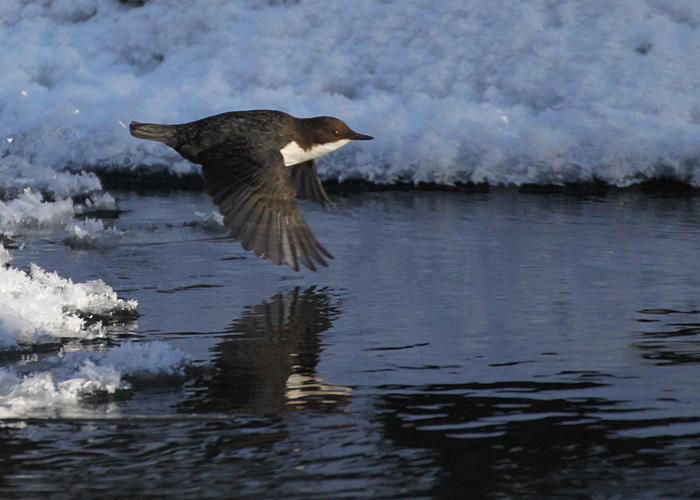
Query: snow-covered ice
(39,306)
(92,233)
(40,309)
(535,91)
(54,387)
(17,174)
(29,210)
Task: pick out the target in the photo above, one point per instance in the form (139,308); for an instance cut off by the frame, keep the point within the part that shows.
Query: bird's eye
(336,132)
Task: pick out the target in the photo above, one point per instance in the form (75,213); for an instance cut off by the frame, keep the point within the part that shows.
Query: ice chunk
(56,386)
(29,210)
(91,233)
(17,174)
(40,307)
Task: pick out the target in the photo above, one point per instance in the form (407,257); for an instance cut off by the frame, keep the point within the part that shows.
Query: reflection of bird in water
(244,156)
(269,359)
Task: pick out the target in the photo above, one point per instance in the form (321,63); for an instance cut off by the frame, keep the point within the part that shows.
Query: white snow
(507,91)
(92,233)
(17,174)
(39,306)
(212,221)
(56,386)
(29,210)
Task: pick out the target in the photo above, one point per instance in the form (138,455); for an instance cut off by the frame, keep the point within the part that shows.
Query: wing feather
(309,186)
(256,194)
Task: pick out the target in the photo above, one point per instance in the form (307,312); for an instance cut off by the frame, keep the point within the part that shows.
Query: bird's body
(244,157)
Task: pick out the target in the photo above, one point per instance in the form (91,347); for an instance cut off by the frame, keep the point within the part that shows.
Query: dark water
(496,345)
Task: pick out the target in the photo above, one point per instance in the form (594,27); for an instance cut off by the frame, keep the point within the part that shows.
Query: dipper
(254,164)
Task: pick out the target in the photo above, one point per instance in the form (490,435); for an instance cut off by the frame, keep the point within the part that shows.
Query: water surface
(498,345)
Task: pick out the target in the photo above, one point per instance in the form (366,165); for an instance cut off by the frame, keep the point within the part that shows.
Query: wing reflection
(269,359)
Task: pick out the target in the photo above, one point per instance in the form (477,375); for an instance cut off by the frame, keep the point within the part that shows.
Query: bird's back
(263,126)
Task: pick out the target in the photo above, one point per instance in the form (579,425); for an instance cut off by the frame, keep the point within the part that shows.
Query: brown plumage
(255,164)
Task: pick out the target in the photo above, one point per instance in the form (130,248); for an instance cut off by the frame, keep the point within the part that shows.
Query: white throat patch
(293,154)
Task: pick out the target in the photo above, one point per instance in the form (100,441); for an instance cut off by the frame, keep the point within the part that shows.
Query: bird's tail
(152,131)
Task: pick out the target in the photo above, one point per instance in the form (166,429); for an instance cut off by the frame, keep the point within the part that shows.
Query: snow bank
(513,91)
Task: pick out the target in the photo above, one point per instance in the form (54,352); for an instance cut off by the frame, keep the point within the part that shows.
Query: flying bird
(255,164)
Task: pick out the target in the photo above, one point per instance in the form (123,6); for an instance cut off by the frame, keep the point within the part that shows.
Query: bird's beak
(361,137)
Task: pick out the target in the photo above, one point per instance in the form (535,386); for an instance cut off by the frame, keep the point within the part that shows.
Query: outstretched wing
(309,187)
(256,195)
